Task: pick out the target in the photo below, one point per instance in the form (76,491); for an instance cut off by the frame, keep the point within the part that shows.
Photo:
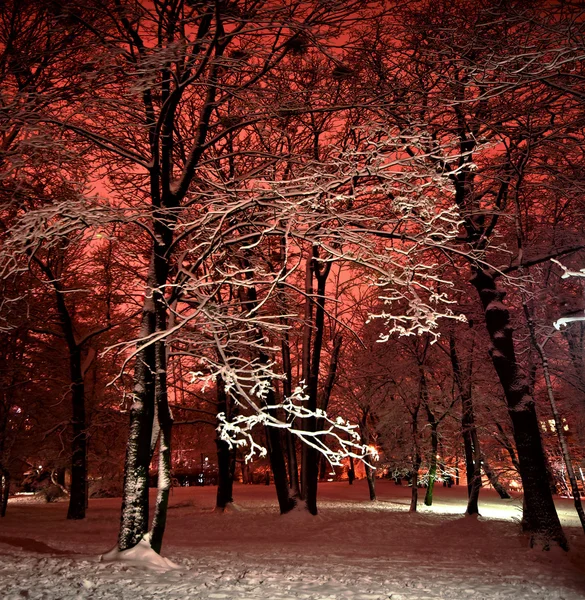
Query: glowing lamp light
(373,453)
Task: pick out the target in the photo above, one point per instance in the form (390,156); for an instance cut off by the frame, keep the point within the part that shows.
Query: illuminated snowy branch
(237,432)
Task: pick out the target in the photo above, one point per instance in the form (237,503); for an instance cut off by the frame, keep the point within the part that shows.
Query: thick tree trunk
(165,421)
(540,518)
(134,515)
(285,502)
(310,461)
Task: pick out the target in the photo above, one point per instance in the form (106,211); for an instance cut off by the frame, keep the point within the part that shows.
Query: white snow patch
(142,555)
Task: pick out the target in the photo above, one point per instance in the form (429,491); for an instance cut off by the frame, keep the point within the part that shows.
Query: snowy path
(353,550)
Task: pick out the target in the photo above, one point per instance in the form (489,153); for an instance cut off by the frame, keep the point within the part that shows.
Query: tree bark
(370,476)
(291,444)
(351,471)
(225,456)
(416,461)
(285,502)
(134,514)
(4,490)
(310,462)
(165,420)
(78,491)
(433,462)
(540,517)
(468,429)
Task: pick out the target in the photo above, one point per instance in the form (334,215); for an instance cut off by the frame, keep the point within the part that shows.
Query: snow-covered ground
(354,549)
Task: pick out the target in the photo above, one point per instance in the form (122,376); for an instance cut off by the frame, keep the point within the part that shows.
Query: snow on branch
(336,440)
(575,317)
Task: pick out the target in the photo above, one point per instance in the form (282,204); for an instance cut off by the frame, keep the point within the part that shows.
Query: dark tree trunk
(493,477)
(468,430)
(416,460)
(4,490)
(165,421)
(414,482)
(78,491)
(351,471)
(540,517)
(371,482)
(291,444)
(433,462)
(285,502)
(323,464)
(134,515)
(225,456)
(310,461)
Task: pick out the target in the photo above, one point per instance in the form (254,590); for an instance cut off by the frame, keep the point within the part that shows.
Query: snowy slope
(354,549)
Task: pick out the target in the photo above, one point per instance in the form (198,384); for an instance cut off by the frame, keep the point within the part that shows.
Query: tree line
(317,225)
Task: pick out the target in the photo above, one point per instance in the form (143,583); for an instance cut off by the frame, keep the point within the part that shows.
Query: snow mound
(141,555)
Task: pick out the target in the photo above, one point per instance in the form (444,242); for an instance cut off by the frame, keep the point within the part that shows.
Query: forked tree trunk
(540,517)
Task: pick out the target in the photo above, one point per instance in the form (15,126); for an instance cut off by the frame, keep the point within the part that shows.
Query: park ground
(354,549)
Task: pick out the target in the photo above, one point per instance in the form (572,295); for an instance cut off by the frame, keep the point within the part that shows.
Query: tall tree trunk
(78,491)
(225,455)
(540,517)
(434,450)
(557,418)
(165,421)
(365,440)
(468,429)
(134,514)
(291,444)
(310,462)
(285,502)
(416,461)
